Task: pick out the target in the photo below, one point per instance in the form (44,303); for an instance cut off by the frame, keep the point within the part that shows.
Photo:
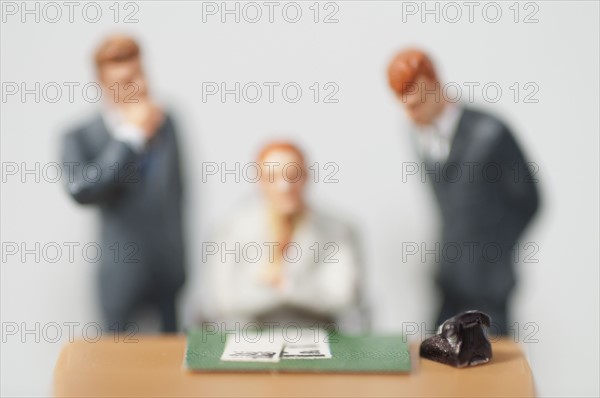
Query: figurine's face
(282,181)
(422,100)
(124,81)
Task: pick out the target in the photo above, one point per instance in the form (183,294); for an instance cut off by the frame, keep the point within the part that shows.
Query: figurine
(131,148)
(310,272)
(485,189)
(460,341)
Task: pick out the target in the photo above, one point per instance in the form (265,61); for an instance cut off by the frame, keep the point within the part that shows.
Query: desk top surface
(153,367)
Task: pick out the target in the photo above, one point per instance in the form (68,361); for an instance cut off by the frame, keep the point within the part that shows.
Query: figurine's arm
(519,184)
(235,287)
(496,209)
(329,285)
(93,180)
(237,293)
(502,177)
(508,177)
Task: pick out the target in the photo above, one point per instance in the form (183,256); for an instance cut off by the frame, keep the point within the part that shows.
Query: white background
(362,133)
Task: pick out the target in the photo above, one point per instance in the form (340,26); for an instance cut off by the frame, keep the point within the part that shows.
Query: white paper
(262,348)
(311,345)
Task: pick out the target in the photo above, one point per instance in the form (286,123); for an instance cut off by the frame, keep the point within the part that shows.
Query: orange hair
(280,146)
(116,49)
(406,67)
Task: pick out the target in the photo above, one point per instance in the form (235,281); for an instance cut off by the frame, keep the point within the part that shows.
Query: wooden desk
(153,367)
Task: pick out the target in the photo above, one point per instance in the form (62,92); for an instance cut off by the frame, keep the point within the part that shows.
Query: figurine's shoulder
(483,129)
(484,121)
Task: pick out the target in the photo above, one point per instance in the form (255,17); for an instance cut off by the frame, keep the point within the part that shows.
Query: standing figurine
(484,188)
(126,163)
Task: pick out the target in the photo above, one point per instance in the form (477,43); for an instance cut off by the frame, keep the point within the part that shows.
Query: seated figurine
(270,286)
(460,341)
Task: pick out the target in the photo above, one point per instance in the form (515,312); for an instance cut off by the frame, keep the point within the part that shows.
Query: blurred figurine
(126,162)
(293,263)
(460,341)
(486,195)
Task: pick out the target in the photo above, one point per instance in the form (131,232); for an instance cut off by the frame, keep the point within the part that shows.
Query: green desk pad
(350,354)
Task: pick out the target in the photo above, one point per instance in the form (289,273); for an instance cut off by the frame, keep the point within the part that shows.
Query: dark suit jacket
(140,202)
(487,196)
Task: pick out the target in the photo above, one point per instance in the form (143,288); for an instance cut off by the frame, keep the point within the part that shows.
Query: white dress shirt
(435,140)
(235,290)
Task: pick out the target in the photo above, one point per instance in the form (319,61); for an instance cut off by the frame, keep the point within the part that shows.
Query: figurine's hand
(144,114)
(272,275)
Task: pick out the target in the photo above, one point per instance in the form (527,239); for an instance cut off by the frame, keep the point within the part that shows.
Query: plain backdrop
(555,306)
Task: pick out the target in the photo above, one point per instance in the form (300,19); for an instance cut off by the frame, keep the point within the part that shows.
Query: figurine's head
(119,69)
(414,81)
(283,177)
